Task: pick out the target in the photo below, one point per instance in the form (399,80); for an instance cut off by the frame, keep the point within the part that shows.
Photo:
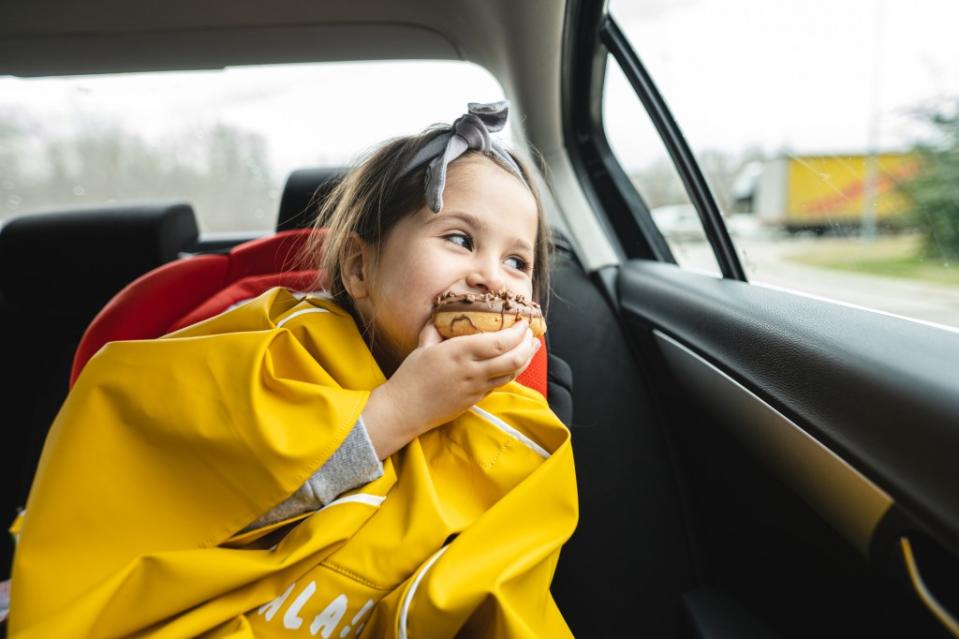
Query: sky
(804,76)
(808,76)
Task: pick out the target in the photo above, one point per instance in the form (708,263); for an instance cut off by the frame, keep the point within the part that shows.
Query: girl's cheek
(524,280)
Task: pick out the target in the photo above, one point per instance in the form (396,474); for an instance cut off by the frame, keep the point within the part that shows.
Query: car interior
(750,463)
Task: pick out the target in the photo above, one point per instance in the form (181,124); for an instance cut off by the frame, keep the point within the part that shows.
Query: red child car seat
(189,290)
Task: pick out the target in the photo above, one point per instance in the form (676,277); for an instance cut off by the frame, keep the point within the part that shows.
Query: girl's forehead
(489,192)
(477,163)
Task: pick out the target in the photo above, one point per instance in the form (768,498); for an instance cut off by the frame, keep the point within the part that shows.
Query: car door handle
(922,590)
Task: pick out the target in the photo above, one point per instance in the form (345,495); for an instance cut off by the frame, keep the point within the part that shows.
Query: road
(765,262)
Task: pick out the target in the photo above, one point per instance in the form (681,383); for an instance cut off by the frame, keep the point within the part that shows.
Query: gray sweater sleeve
(353,464)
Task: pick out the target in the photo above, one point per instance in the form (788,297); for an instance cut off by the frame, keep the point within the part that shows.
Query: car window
(828,133)
(224,140)
(643,156)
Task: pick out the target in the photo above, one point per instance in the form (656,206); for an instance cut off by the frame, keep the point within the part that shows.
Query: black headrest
(85,257)
(304,190)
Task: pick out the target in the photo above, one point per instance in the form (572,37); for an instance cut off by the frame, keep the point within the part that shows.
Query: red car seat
(189,290)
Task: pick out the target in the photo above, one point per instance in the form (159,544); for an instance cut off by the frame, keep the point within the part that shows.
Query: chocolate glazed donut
(469,313)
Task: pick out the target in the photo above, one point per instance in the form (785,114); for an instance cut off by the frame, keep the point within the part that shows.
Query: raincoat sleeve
(353,464)
(175,444)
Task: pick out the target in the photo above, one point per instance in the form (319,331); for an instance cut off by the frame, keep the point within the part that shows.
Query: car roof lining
(219,47)
(518,43)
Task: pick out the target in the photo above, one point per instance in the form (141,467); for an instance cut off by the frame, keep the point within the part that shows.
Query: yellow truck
(823,192)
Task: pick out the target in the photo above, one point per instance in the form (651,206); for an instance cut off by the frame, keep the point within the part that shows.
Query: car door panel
(848,416)
(881,391)
(850,502)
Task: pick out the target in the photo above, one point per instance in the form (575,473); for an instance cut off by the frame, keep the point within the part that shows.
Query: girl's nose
(486,280)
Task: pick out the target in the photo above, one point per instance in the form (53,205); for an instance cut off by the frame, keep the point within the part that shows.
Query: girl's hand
(440,380)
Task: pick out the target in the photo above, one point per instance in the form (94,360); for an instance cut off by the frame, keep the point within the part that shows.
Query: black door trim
(621,211)
(683,158)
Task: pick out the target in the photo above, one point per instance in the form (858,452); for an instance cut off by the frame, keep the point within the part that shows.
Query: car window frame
(621,208)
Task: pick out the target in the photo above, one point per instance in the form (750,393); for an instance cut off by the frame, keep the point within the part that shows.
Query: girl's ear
(356,267)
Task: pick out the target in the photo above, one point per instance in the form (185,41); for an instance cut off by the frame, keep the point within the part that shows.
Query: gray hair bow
(470,131)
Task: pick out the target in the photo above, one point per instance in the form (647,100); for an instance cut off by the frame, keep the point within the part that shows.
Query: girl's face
(481,241)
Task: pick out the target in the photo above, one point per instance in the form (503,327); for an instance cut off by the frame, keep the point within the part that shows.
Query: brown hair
(375,194)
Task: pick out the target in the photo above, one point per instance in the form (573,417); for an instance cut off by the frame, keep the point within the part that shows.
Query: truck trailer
(820,193)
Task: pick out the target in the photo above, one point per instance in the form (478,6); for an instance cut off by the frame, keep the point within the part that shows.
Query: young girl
(189,484)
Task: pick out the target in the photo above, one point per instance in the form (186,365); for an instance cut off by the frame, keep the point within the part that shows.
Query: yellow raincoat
(166,448)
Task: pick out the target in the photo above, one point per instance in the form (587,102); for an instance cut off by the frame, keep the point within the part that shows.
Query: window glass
(223,140)
(642,154)
(829,134)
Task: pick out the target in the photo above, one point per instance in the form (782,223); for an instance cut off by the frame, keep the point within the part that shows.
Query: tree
(237,180)
(934,190)
(223,171)
(14,131)
(659,183)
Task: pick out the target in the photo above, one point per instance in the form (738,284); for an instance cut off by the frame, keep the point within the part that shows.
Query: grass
(887,256)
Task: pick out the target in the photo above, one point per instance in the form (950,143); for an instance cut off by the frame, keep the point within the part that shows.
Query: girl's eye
(518,263)
(462,239)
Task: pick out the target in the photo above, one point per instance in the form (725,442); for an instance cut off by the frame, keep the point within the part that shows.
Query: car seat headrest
(304,190)
(81,259)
